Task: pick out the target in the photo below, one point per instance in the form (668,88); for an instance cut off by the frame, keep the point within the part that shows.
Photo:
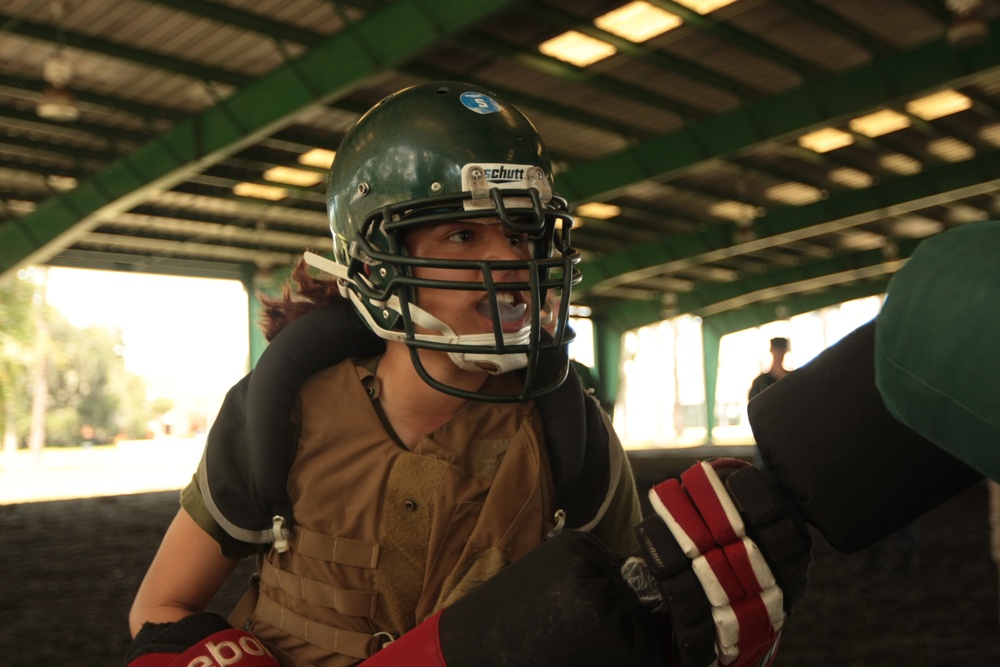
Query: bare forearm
(185,575)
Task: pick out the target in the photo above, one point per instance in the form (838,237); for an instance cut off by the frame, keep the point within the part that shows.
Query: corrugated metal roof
(701,123)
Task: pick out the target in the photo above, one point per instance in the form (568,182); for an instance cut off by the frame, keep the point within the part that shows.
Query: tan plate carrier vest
(383,537)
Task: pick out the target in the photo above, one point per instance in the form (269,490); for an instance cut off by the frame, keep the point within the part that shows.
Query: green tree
(16,343)
(88,385)
(160,406)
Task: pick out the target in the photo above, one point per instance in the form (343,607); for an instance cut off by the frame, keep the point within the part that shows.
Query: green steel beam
(524,101)
(887,143)
(758,314)
(945,128)
(379,41)
(829,161)
(779,173)
(717,326)
(889,80)
(817,13)
(714,299)
(558,69)
(133,263)
(292,33)
(708,300)
(908,193)
(750,42)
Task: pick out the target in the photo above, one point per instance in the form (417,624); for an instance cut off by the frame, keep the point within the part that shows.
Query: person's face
(467,311)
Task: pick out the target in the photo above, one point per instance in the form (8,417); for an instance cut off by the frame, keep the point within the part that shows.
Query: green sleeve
(194,504)
(936,352)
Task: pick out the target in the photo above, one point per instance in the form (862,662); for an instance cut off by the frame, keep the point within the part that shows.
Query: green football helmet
(440,153)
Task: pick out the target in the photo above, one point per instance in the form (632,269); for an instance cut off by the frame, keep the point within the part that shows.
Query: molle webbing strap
(348,602)
(340,550)
(344,642)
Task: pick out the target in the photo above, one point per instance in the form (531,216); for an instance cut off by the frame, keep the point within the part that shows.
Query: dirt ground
(70,568)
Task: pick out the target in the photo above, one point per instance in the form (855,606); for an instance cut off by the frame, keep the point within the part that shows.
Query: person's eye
(517,240)
(461,236)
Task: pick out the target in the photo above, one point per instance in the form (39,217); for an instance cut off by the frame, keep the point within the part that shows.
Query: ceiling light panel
(317,157)
(292,176)
(598,210)
(576,48)
(638,21)
(991,134)
(901,164)
(940,104)
(826,140)
(859,239)
(258,191)
(795,194)
(852,178)
(879,123)
(704,6)
(915,227)
(951,149)
(961,213)
(734,210)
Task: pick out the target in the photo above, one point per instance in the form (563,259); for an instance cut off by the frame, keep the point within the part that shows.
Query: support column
(265,281)
(710,339)
(607,360)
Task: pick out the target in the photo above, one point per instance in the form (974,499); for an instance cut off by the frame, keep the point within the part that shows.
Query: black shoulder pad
(577,444)
(251,446)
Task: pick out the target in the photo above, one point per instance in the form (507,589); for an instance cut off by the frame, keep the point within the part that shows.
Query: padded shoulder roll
(577,443)
(856,473)
(251,445)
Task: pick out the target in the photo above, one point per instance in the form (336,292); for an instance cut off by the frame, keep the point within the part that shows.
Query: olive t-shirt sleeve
(194,504)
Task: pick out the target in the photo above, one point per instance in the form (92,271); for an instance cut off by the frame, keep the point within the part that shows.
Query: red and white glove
(200,640)
(725,546)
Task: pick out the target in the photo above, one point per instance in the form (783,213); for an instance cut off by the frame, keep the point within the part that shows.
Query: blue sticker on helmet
(480,103)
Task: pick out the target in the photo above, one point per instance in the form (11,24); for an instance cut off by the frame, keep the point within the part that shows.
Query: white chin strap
(494,364)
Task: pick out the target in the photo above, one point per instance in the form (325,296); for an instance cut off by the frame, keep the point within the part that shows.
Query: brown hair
(303,294)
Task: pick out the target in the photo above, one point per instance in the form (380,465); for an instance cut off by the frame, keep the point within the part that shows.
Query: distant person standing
(779,348)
